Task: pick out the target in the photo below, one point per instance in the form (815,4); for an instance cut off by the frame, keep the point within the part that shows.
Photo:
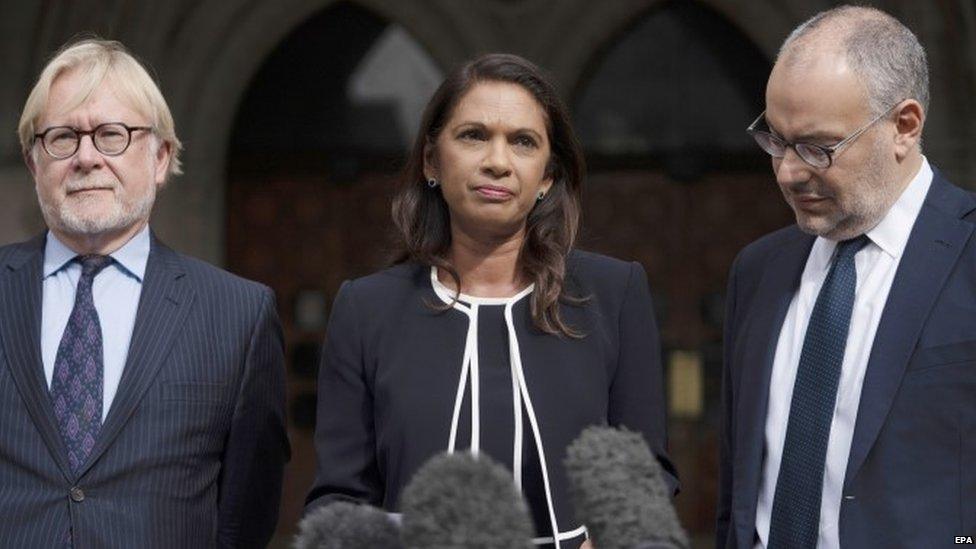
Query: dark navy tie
(795,520)
(76,387)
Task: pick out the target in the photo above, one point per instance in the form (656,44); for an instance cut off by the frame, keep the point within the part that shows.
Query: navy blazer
(911,473)
(192,450)
(392,361)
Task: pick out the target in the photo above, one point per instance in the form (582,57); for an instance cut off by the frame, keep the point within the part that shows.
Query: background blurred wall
(205,52)
(660,197)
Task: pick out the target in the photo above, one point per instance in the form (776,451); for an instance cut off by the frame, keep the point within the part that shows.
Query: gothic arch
(218,50)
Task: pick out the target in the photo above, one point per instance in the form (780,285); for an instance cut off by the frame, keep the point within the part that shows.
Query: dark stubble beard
(870,194)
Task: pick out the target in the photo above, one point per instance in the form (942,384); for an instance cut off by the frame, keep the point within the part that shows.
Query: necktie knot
(847,249)
(92,264)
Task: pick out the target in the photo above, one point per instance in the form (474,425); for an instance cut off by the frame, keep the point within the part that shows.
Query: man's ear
(909,121)
(30,162)
(161,159)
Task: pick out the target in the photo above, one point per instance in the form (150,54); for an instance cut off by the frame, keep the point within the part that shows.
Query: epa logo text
(964,539)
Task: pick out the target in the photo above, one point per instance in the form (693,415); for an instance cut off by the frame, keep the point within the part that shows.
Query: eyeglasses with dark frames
(818,156)
(110,139)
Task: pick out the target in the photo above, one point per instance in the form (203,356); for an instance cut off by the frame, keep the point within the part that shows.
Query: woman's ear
(430,161)
(545,185)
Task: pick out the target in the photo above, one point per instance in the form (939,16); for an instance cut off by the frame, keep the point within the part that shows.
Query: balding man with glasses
(849,382)
(142,391)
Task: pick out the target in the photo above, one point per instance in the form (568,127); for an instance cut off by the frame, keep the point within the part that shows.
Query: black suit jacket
(390,372)
(911,473)
(192,450)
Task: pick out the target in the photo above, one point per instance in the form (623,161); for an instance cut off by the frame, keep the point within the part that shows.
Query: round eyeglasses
(110,139)
(818,156)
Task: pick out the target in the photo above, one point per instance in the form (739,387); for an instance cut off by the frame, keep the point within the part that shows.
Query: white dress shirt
(115,292)
(876,265)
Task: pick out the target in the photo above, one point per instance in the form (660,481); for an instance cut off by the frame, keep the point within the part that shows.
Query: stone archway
(598,24)
(219,45)
(206,52)
(676,184)
(218,50)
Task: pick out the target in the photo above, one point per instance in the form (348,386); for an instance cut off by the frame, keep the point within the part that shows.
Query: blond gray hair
(99,60)
(880,49)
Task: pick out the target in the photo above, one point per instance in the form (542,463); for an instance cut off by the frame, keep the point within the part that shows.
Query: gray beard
(68,219)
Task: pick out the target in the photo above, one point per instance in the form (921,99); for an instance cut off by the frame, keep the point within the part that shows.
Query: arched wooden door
(676,184)
(317,144)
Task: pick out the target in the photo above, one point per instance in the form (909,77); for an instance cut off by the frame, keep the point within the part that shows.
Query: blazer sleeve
(726,453)
(637,388)
(344,433)
(257,445)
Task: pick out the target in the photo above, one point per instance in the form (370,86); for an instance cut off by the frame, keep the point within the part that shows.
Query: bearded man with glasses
(143,390)
(849,381)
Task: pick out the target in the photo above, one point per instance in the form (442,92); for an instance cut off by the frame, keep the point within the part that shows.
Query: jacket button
(849,497)
(77,494)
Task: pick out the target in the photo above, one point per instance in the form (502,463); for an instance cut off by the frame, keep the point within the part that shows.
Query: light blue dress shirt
(115,291)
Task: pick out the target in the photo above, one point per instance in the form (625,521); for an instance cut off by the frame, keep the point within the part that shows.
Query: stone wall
(205,53)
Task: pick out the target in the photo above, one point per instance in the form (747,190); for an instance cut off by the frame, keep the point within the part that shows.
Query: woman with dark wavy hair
(491,333)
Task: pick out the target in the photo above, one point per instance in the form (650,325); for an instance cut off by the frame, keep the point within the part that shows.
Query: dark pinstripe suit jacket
(192,450)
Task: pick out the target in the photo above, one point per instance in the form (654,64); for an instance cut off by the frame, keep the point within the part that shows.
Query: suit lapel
(936,241)
(20,329)
(163,305)
(761,330)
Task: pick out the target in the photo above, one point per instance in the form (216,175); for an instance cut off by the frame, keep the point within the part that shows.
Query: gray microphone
(459,501)
(345,525)
(617,488)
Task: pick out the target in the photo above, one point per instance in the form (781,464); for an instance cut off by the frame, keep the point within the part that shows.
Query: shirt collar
(892,232)
(56,255)
(131,257)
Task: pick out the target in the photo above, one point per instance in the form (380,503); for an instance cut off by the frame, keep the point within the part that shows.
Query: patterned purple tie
(76,387)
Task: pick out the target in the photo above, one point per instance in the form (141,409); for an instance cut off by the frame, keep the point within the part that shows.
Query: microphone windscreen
(345,525)
(464,502)
(617,488)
